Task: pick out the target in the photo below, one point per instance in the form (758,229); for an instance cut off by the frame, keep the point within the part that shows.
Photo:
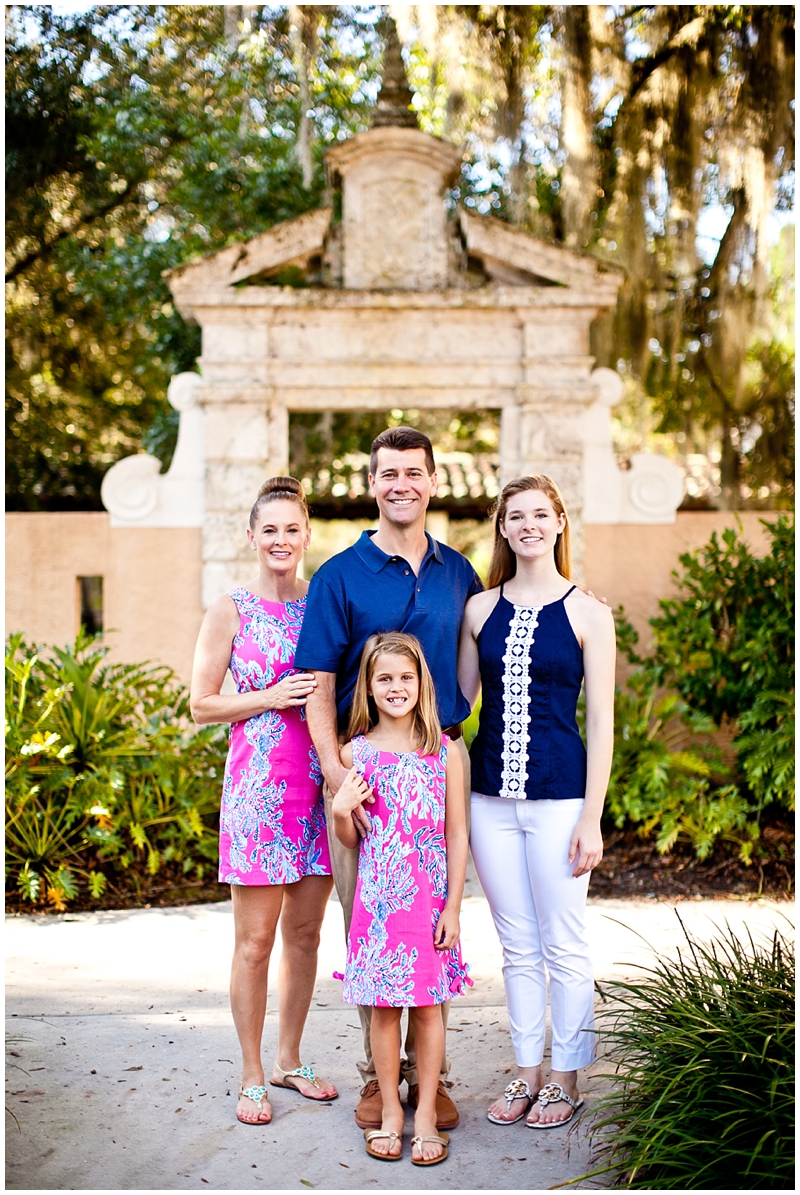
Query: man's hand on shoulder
(588,592)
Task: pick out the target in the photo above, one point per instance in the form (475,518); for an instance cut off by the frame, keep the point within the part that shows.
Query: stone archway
(400,305)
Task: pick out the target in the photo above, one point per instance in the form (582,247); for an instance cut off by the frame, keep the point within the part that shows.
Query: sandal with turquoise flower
(307,1073)
(258,1094)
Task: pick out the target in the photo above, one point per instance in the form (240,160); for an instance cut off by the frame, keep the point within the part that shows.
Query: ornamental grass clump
(703,1048)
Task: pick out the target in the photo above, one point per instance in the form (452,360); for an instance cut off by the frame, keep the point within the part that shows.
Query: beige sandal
(301,1072)
(372,1134)
(441,1138)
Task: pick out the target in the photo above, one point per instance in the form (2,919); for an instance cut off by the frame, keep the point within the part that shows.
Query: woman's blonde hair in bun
(277,489)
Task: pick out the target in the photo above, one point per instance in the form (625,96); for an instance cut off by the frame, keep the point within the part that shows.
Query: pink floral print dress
(272,823)
(402,886)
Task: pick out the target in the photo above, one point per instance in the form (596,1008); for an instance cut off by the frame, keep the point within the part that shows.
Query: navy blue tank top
(528,745)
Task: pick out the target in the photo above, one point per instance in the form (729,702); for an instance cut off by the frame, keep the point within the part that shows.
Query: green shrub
(106,777)
(729,636)
(703,1048)
(722,655)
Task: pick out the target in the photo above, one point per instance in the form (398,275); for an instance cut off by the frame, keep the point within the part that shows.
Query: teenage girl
(403,947)
(530,641)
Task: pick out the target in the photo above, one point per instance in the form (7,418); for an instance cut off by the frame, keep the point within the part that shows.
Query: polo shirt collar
(376,559)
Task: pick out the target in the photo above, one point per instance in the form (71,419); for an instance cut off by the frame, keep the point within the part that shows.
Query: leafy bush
(106,777)
(703,1093)
(722,656)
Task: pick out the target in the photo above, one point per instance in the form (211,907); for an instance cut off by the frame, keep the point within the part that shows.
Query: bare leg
(429,1037)
(555,1113)
(386,1056)
(301,920)
(255,918)
(533,1077)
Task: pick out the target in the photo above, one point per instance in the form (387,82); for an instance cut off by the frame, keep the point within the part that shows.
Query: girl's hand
(352,793)
(585,846)
(293,689)
(448,929)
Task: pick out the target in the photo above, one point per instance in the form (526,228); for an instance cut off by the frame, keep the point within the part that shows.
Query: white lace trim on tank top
(516,699)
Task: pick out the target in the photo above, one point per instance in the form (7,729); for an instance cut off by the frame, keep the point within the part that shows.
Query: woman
(529,641)
(273,837)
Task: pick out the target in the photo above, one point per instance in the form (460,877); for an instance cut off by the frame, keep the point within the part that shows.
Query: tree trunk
(514,111)
(303,32)
(579,176)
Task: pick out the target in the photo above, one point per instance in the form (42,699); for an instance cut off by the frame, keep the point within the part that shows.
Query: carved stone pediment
(515,258)
(292,243)
(391,232)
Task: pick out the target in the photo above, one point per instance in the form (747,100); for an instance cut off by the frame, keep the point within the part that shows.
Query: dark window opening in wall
(90,596)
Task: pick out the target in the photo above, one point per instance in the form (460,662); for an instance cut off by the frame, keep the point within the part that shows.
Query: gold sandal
(442,1138)
(372,1134)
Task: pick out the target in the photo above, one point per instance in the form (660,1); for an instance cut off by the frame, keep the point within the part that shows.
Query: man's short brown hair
(402,439)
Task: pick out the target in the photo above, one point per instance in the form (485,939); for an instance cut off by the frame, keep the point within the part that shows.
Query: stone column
(551,442)
(246,442)
(544,432)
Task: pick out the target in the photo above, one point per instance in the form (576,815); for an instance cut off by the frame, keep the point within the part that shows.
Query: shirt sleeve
(325,634)
(476,585)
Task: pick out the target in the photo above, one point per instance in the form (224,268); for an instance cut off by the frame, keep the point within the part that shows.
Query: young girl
(403,944)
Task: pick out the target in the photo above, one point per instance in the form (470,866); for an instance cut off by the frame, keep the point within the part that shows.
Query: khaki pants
(344,862)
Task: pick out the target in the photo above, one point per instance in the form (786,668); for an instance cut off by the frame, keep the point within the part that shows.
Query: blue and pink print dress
(272,825)
(402,886)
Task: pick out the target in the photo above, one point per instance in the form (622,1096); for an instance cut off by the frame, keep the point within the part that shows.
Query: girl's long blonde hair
(504,562)
(363,713)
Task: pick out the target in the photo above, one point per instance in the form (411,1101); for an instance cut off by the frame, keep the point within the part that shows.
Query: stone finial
(394,99)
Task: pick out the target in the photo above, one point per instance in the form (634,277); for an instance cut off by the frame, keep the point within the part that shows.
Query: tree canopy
(659,138)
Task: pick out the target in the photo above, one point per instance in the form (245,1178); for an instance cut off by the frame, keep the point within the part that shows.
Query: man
(394,579)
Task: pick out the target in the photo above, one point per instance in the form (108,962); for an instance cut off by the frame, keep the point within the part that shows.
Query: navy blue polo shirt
(362,591)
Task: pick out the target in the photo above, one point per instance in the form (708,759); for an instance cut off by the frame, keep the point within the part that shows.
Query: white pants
(520,851)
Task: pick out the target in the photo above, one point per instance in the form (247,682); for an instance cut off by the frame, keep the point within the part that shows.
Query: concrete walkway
(124,1060)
